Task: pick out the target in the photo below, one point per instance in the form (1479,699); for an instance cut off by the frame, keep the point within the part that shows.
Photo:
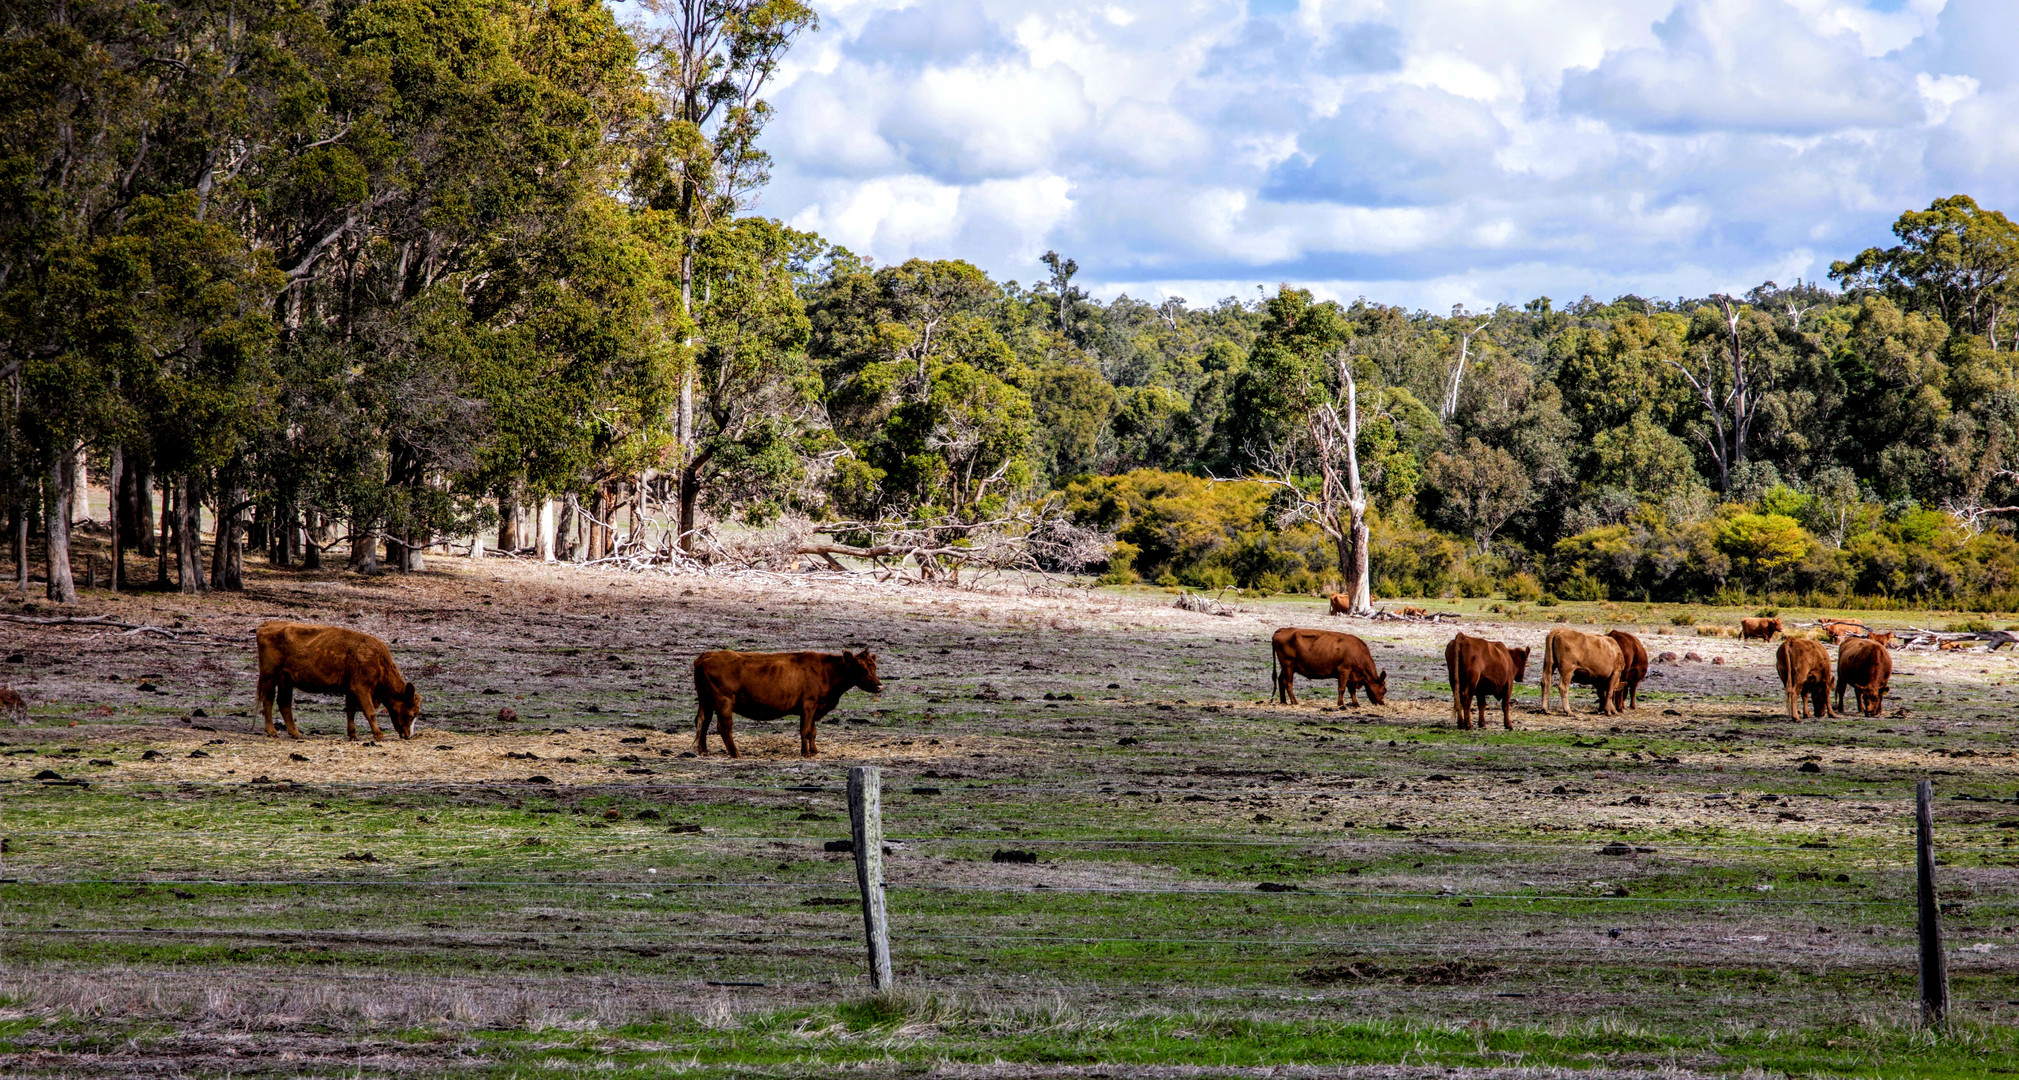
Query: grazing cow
(1761,629)
(1842,629)
(1322,654)
(1416,613)
(1951,646)
(332,660)
(1805,674)
(13,705)
(1479,669)
(1568,653)
(1342,604)
(1885,638)
(1634,654)
(1867,667)
(766,686)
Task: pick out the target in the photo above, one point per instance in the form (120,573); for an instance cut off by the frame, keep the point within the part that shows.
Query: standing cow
(1323,654)
(1866,666)
(1635,656)
(1804,667)
(1479,669)
(766,686)
(1568,653)
(332,660)
(1762,629)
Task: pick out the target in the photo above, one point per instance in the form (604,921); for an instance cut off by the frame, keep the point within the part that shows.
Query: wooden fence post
(865,818)
(1934,962)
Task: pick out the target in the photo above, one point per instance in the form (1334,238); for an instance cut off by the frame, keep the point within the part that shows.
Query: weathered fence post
(865,819)
(1934,963)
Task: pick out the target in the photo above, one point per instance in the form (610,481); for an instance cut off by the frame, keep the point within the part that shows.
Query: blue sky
(1421,152)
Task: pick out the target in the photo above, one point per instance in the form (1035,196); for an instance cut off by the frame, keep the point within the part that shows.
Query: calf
(1322,654)
(766,686)
(1568,653)
(332,660)
(1341,604)
(1759,629)
(1804,666)
(1479,668)
(1867,667)
(1883,638)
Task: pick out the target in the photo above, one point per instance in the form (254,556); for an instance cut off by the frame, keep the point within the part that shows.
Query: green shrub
(1475,586)
(1547,600)
(1968,626)
(1682,618)
(1523,588)
(1767,612)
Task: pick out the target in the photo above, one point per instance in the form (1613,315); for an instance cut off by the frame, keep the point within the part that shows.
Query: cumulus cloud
(1424,151)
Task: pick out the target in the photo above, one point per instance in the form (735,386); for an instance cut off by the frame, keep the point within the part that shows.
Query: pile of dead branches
(1412,615)
(1036,539)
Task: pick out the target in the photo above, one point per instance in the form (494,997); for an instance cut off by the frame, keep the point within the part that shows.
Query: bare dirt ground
(575,867)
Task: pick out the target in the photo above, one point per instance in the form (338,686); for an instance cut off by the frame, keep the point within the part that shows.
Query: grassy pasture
(1220,881)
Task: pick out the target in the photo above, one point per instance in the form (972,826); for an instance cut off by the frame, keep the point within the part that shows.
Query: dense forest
(356,280)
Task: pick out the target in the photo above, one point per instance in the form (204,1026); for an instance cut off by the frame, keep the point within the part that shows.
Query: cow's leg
(362,694)
(1289,687)
(1345,687)
(350,718)
(266,689)
(286,695)
(809,714)
(725,726)
(1840,698)
(1506,710)
(701,728)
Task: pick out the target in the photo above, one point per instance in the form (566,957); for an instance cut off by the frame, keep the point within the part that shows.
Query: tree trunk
(167,531)
(229,568)
(690,493)
(547,538)
(80,491)
(508,522)
(143,509)
(56,525)
(1358,589)
(18,534)
(311,541)
(189,535)
(576,538)
(364,547)
(115,524)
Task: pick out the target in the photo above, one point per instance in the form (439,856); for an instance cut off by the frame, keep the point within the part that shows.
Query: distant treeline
(385,274)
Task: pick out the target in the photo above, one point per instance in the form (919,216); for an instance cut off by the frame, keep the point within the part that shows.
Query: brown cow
(1322,654)
(1762,629)
(1342,604)
(1867,667)
(1479,669)
(332,660)
(766,686)
(1805,673)
(1635,656)
(1883,638)
(1842,629)
(1567,652)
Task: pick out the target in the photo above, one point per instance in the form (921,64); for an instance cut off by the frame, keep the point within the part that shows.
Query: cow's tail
(1275,680)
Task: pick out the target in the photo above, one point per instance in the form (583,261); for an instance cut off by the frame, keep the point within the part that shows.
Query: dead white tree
(1731,390)
(1466,332)
(1339,507)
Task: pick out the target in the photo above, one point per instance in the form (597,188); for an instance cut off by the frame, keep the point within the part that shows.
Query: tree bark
(115,480)
(56,524)
(508,522)
(364,547)
(228,571)
(18,535)
(547,538)
(143,507)
(189,535)
(311,541)
(80,490)
(167,531)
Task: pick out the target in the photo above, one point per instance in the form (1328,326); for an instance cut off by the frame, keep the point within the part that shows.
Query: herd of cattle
(767,686)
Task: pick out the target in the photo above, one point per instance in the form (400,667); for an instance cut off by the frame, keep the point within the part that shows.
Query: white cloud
(1421,151)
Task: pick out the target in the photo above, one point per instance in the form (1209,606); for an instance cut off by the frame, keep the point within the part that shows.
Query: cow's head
(1377,688)
(862,666)
(1871,702)
(1520,658)
(403,706)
